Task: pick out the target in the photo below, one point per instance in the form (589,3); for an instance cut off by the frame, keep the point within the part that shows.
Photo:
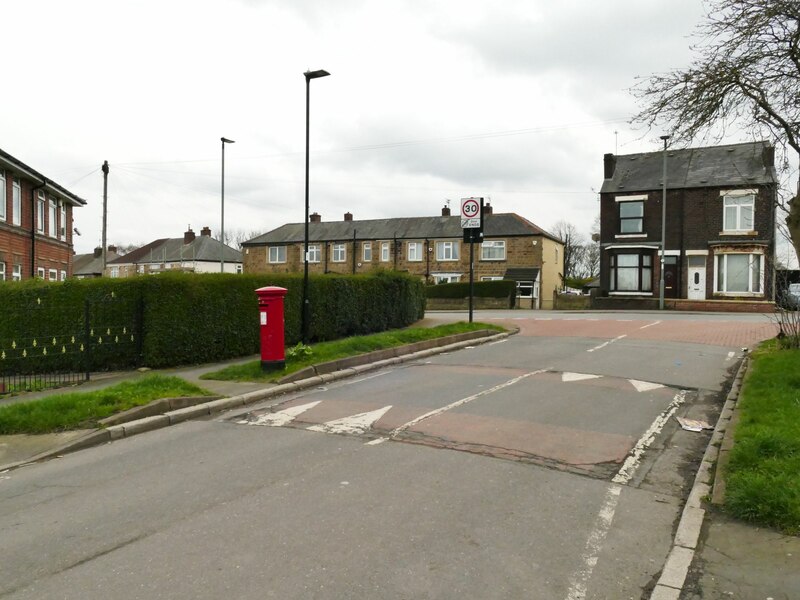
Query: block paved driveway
(548,465)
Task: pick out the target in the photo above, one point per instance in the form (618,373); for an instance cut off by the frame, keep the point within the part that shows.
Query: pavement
(712,557)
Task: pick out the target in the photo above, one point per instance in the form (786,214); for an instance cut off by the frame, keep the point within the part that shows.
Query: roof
(203,248)
(522,274)
(89,264)
(714,166)
(9,162)
(495,225)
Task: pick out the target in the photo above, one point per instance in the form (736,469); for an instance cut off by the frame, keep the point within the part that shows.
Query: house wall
(551,257)
(130,270)
(51,253)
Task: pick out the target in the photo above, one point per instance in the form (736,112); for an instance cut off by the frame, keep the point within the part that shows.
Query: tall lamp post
(306,309)
(222,216)
(663,225)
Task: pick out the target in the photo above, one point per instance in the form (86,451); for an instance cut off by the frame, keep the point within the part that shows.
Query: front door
(670,276)
(697,278)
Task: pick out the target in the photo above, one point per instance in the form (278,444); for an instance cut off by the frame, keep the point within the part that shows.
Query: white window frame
(621,200)
(491,278)
(40,272)
(314,253)
(16,273)
(114,272)
(414,251)
(488,245)
(525,284)
(3,199)
(239,269)
(339,254)
(276,255)
(62,228)
(446,277)
(52,228)
(2,271)
(733,200)
(16,202)
(722,257)
(40,210)
(62,275)
(385,252)
(366,252)
(447,251)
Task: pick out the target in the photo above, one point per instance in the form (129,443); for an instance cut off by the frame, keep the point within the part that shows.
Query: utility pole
(105,213)
(663,226)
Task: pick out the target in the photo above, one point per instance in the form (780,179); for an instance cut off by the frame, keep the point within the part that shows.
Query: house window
(277,254)
(491,278)
(16,273)
(339,253)
(739,273)
(140,269)
(16,203)
(493,250)
(446,250)
(738,213)
(62,275)
(2,195)
(414,251)
(366,251)
(525,289)
(631,216)
(239,269)
(51,226)
(314,253)
(446,277)
(384,251)
(62,230)
(114,272)
(2,271)
(631,273)
(40,272)
(40,212)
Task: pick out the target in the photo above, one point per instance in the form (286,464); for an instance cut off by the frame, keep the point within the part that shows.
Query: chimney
(188,236)
(97,252)
(112,249)
(768,156)
(609,165)
(487,209)
(206,231)
(348,216)
(445,211)
(315,218)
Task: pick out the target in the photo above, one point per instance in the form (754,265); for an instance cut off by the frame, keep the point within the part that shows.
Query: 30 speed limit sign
(470,212)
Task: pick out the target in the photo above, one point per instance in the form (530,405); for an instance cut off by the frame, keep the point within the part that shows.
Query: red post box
(270,308)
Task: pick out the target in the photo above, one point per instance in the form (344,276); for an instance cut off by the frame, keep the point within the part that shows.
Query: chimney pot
(348,216)
(487,209)
(609,165)
(112,249)
(315,218)
(445,211)
(188,236)
(97,252)
(206,231)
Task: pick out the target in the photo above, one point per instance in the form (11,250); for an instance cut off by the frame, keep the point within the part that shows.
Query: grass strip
(80,410)
(763,477)
(344,348)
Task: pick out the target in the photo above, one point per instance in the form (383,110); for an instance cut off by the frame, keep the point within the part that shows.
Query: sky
(428,102)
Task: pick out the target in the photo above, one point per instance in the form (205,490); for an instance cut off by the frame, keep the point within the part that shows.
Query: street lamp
(222,216)
(663,225)
(306,309)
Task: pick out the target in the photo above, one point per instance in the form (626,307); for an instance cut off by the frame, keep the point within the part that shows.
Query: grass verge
(352,346)
(80,410)
(763,485)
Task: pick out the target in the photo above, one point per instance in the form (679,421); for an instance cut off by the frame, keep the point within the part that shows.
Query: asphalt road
(545,466)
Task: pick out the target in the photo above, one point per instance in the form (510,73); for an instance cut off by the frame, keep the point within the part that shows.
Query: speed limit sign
(470,213)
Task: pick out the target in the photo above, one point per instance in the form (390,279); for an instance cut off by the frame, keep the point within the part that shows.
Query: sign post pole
(471,271)
(472,224)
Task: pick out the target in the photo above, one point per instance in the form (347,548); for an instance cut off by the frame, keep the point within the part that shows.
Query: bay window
(631,272)
(736,273)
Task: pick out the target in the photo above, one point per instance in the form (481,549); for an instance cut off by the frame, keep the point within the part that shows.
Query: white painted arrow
(578,376)
(353,425)
(644,386)
(284,417)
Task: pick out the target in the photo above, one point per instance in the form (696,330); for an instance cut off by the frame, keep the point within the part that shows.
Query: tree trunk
(793,221)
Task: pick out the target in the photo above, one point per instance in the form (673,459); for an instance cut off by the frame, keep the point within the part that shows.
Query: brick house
(190,253)
(35,224)
(89,266)
(720,228)
(431,247)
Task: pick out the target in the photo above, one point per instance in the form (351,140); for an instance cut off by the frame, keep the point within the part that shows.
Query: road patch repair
(167,412)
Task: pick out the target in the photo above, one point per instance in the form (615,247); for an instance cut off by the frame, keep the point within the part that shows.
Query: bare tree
(573,246)
(126,248)
(746,73)
(237,237)
(589,267)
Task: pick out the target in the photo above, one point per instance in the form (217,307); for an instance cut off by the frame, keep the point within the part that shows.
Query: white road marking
(604,344)
(284,417)
(368,377)
(625,474)
(624,320)
(650,325)
(602,525)
(377,441)
(578,376)
(463,401)
(352,425)
(503,341)
(731,355)
(644,386)
(543,319)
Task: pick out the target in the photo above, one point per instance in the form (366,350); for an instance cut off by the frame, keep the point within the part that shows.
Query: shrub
(482,289)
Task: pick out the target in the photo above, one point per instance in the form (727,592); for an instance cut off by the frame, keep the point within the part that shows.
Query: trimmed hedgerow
(482,289)
(178,318)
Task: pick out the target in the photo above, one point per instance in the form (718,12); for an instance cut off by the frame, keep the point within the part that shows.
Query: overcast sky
(428,100)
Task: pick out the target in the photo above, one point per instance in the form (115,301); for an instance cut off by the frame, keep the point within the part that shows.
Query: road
(548,466)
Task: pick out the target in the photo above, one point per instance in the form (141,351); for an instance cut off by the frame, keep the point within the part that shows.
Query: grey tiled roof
(496,225)
(203,248)
(714,166)
(89,264)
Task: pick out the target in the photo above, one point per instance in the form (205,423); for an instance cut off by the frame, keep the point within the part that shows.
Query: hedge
(178,318)
(482,289)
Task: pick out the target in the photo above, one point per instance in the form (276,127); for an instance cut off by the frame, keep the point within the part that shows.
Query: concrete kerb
(673,576)
(215,404)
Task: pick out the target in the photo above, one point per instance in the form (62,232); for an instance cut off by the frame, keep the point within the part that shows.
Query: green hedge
(482,289)
(177,318)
